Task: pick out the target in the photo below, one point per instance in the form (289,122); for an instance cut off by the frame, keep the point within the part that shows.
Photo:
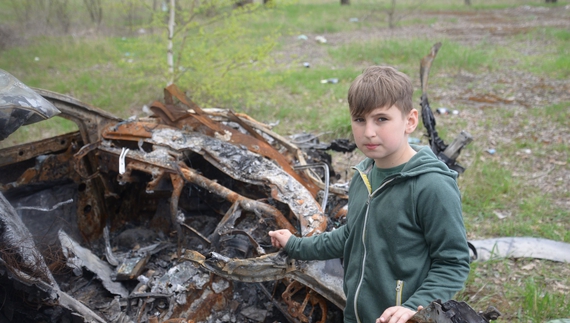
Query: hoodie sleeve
(440,216)
(327,245)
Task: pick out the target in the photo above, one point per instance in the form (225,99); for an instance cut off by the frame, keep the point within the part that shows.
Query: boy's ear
(411,121)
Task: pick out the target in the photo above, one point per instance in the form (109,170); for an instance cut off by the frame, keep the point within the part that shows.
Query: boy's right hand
(279,238)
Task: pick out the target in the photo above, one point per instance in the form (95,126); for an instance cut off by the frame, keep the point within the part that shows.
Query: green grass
(555,62)
(452,56)
(541,305)
(559,112)
(506,284)
(95,70)
(317,18)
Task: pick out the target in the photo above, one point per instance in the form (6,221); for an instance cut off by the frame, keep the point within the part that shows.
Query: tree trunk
(344,2)
(95,10)
(392,15)
(169,53)
(467,2)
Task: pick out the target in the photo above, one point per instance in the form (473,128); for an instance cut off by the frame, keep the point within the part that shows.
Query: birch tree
(170,53)
(210,50)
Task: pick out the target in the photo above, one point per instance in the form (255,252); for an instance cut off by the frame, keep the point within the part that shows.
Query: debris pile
(165,219)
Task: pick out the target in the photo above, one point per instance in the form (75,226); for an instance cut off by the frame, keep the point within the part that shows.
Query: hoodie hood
(424,161)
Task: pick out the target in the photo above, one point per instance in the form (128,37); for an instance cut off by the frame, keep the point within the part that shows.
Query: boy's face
(383,135)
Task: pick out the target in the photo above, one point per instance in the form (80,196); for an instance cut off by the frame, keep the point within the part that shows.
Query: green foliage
(216,54)
(217,57)
(540,305)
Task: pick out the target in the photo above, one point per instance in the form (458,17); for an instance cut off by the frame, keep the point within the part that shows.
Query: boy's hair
(377,87)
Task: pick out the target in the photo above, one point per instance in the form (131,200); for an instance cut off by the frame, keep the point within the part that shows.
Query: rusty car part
(453,312)
(240,164)
(201,122)
(129,199)
(322,276)
(303,311)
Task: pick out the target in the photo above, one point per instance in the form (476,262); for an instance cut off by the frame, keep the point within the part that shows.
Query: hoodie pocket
(399,291)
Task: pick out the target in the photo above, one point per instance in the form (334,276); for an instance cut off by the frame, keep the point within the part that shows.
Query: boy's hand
(397,314)
(279,238)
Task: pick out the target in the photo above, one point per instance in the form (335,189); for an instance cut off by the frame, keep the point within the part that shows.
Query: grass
(556,62)
(528,283)
(502,193)
(94,70)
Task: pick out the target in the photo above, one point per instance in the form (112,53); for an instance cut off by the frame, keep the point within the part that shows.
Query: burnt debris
(164,219)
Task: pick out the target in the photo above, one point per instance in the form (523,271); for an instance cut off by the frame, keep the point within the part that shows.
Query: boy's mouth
(370,146)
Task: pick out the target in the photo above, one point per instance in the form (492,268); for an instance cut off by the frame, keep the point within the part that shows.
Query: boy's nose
(369,130)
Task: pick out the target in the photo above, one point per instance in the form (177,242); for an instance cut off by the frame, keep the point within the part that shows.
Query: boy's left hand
(397,314)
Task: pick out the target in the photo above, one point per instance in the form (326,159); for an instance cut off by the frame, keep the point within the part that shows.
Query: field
(504,68)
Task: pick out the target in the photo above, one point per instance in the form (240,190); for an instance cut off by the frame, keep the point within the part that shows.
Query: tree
(391,12)
(60,9)
(95,11)
(210,51)
(394,15)
(169,52)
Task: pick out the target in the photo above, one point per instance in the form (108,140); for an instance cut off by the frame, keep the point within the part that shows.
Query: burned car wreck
(163,219)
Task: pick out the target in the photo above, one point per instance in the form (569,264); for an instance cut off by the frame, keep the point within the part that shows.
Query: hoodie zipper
(370,195)
(399,290)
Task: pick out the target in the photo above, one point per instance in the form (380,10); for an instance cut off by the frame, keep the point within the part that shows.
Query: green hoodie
(403,244)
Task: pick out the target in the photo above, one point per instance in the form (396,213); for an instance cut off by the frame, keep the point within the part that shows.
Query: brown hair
(380,86)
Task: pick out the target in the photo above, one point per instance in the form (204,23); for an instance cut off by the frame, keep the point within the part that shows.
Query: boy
(404,243)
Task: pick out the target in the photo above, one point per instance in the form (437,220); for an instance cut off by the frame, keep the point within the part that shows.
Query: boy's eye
(358,119)
(382,119)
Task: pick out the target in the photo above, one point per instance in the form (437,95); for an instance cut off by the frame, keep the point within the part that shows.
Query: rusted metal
(218,130)
(46,146)
(177,184)
(297,309)
(91,214)
(264,268)
(129,131)
(199,308)
(124,176)
(275,266)
(45,168)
